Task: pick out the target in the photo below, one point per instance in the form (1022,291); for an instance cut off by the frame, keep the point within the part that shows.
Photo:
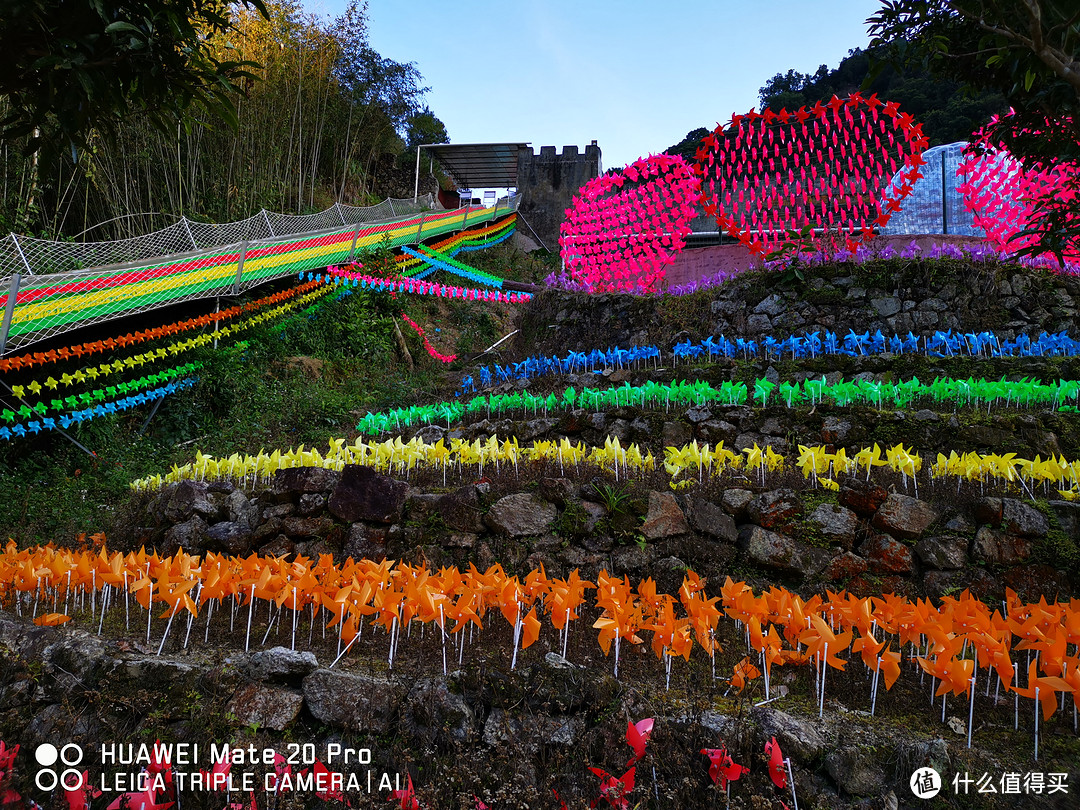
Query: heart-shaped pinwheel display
(624,228)
(1003,195)
(769,175)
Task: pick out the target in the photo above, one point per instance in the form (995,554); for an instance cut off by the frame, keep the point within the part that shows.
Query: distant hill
(946,111)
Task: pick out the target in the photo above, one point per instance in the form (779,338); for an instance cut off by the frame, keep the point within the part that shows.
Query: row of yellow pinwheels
(951,642)
(817,462)
(129,363)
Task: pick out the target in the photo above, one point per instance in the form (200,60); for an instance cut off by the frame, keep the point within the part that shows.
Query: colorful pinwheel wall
(624,227)
(1003,195)
(822,168)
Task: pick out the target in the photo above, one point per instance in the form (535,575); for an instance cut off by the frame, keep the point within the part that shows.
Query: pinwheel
(637,736)
(622,229)
(776,763)
(79,798)
(823,645)
(144,800)
(405,797)
(614,791)
(722,768)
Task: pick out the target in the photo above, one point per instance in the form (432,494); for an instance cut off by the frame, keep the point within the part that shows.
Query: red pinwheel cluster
(770,174)
(1003,195)
(624,228)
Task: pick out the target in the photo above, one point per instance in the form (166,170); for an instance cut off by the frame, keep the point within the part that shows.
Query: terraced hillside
(836,514)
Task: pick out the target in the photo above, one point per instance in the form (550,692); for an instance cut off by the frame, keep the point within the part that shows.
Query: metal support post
(22,255)
(189,236)
(269,227)
(420,227)
(352,248)
(944,198)
(337,207)
(9,310)
(240,268)
(393,213)
(416,184)
(466,219)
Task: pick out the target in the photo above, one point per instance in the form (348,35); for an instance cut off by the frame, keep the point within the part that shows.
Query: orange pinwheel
(744,671)
(1044,689)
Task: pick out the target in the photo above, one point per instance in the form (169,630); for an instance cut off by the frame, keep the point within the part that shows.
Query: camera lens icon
(47,755)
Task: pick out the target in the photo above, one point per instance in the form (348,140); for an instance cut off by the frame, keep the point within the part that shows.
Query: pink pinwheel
(1003,195)
(637,232)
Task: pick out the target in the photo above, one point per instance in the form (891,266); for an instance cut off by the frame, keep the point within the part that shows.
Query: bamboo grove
(322,120)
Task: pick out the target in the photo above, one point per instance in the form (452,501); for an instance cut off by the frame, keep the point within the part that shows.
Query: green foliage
(615,498)
(316,112)
(946,113)
(67,68)
(245,400)
(378,260)
(1030,53)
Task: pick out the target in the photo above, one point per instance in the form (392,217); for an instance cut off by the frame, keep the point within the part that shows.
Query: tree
(1028,50)
(424,127)
(68,67)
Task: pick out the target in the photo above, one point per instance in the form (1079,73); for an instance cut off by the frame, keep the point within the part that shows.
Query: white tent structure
(935,206)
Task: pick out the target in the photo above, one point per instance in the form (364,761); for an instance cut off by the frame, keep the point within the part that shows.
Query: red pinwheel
(406,797)
(722,768)
(637,735)
(79,798)
(282,772)
(324,776)
(144,800)
(776,763)
(239,805)
(749,181)
(614,791)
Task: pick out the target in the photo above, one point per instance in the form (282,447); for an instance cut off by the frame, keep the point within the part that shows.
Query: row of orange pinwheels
(952,642)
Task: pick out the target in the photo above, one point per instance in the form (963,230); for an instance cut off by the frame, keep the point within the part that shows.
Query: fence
(48,288)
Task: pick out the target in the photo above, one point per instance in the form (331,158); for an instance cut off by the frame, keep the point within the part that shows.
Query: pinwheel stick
(824,665)
(971,706)
(873,693)
(566,632)
(1037,706)
(104,603)
(442,627)
(251,612)
(165,635)
(791,781)
(149,609)
(295,613)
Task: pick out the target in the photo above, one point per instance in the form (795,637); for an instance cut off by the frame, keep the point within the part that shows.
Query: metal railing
(49,288)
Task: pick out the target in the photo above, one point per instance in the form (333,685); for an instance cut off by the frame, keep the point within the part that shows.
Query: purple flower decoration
(912,251)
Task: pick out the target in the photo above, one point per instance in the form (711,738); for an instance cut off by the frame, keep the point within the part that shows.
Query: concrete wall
(549,181)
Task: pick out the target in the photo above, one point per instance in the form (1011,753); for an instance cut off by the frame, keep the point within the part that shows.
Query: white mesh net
(48,288)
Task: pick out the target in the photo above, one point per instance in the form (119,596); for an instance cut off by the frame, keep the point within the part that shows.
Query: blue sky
(634,76)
